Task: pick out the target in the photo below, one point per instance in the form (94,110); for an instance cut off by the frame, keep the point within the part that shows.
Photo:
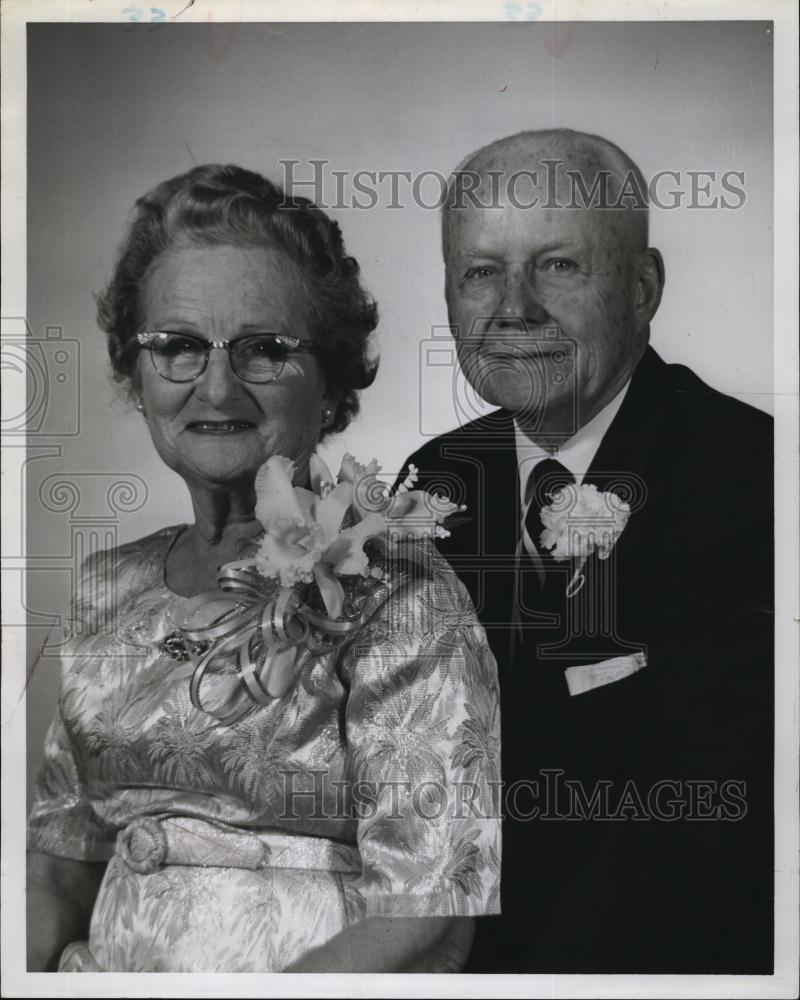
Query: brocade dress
(368,789)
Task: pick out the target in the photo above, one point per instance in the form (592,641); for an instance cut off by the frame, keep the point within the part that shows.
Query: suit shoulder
(715,448)
(708,409)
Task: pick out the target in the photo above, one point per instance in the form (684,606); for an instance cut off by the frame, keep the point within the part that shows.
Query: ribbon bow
(262,625)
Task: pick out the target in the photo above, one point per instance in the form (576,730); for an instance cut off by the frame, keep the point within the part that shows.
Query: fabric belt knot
(142,845)
(148,843)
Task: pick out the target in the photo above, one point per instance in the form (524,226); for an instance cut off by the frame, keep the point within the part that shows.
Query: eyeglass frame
(292,343)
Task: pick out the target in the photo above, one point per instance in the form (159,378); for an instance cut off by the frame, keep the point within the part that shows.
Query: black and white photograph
(400,495)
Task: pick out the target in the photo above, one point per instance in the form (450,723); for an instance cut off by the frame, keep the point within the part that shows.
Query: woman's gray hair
(228,205)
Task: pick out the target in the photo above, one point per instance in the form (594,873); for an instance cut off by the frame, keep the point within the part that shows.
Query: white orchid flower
(303,537)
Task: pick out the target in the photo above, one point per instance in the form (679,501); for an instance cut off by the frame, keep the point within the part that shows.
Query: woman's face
(217,430)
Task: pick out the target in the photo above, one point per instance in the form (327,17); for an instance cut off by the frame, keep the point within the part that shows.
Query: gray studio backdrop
(112,110)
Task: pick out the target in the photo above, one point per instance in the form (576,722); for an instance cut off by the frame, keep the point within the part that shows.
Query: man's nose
(218,382)
(520,305)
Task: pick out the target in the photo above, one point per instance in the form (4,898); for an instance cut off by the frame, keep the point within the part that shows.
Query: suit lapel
(501,505)
(622,465)
(603,619)
(477,465)
(624,451)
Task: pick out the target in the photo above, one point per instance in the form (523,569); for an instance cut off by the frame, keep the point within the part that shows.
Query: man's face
(543,308)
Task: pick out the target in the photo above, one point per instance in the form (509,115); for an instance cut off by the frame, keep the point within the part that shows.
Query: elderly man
(617,545)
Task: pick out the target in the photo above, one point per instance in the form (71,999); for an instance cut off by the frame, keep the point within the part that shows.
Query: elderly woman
(342,822)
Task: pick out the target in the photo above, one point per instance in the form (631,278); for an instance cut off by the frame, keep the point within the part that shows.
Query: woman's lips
(220,426)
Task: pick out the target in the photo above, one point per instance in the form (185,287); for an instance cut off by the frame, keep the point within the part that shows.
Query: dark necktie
(534,598)
(547,477)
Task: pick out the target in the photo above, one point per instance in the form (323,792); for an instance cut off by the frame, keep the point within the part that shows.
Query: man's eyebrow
(478,252)
(562,244)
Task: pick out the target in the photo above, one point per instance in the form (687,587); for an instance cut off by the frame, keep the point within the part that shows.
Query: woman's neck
(224,530)
(221,513)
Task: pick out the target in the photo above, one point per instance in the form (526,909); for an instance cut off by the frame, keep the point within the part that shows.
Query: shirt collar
(576,453)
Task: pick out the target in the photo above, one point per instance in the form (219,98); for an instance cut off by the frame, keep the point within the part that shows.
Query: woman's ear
(327,412)
(650,284)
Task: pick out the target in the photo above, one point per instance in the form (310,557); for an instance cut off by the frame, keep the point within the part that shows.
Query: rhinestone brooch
(177,648)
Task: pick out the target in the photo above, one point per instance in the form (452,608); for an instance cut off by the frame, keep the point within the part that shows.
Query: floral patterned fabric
(377,768)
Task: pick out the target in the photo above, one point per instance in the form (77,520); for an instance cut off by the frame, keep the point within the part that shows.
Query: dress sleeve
(423,731)
(63,821)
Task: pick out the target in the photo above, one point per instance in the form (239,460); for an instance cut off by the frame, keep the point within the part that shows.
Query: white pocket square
(594,675)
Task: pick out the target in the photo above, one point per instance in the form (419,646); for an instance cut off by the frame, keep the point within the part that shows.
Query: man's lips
(220,426)
(531,351)
(524,344)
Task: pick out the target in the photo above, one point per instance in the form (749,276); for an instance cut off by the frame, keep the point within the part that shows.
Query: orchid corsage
(579,521)
(309,584)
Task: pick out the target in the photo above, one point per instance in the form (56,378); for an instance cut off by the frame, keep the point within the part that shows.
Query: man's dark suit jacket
(670,869)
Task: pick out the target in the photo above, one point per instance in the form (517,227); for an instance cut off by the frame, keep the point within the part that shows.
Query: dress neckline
(177,531)
(161,571)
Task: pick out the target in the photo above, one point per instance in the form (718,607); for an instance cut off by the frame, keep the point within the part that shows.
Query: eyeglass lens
(255,359)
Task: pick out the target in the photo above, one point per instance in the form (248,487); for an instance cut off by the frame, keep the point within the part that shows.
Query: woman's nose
(520,304)
(218,382)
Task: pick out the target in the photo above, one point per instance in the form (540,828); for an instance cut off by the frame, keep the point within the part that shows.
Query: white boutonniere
(579,521)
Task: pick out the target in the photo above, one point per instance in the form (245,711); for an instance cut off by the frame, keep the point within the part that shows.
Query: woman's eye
(263,347)
(174,344)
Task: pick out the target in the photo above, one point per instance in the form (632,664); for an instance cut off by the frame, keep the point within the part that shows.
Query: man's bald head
(557,168)
(549,281)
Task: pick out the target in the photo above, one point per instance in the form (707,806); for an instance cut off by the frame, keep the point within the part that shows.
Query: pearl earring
(140,406)
(327,413)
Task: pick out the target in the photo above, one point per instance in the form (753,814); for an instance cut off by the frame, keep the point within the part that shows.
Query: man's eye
(479,272)
(559,265)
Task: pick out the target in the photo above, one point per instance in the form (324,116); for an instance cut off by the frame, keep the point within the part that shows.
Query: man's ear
(650,284)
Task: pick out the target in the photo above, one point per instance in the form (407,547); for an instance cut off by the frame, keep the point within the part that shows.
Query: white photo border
(17,982)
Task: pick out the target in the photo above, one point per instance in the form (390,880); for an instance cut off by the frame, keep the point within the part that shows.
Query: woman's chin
(224,468)
(229,460)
